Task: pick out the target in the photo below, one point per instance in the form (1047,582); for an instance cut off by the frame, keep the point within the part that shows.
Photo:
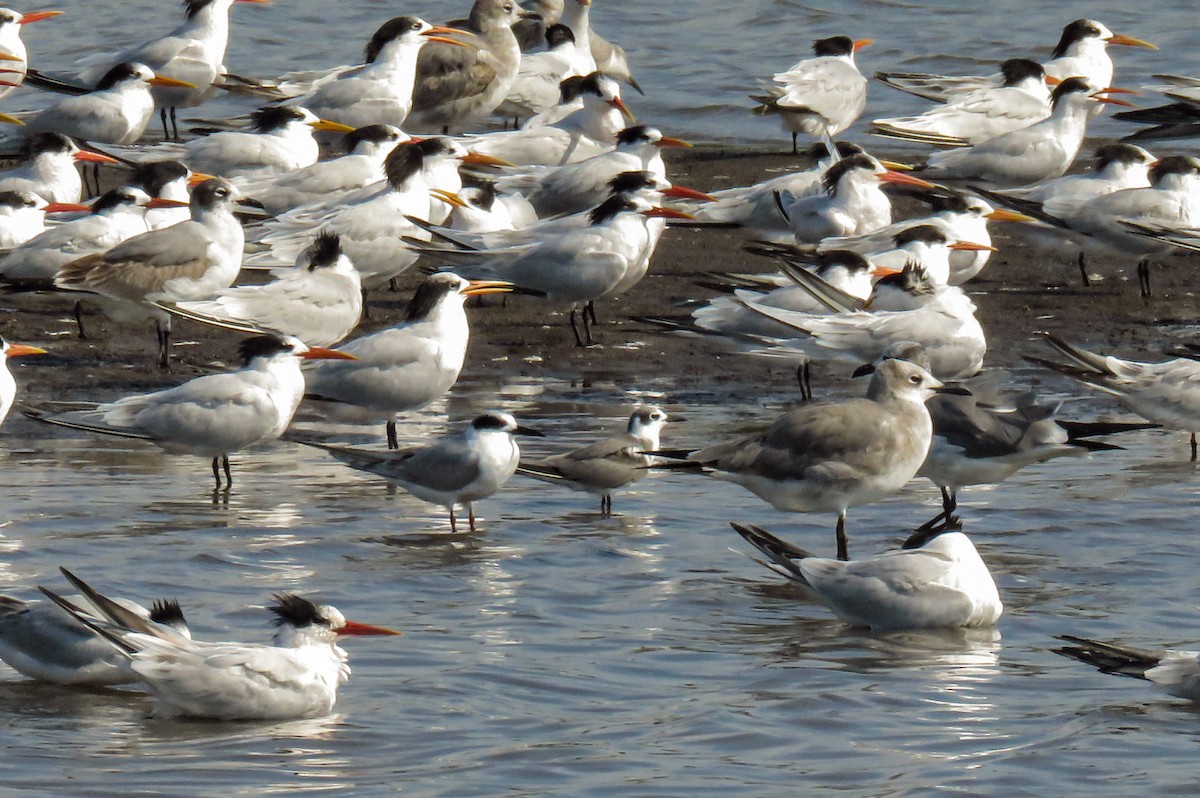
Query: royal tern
(940,317)
(193,52)
(1115,167)
(821,96)
(366,149)
(925,246)
(728,315)
(12,49)
(936,580)
(189,260)
(1117,222)
(372,220)
(40,641)
(114,217)
(22,217)
(1166,393)
(296,677)
(456,86)
(8,386)
(319,300)
(1021,100)
(48,168)
(536,89)
(1082,51)
(1041,151)
(851,201)
(380,92)
(1172,671)
(213,415)
(576,187)
(576,265)
(608,464)
(828,457)
(403,367)
(458,468)
(585,123)
(116,111)
(281,141)
(166,180)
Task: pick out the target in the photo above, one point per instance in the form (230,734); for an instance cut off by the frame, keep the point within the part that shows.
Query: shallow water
(559,651)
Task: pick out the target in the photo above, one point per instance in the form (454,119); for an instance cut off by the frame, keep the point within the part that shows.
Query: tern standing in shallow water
(460,468)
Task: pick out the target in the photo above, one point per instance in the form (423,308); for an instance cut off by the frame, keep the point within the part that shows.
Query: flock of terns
(324,188)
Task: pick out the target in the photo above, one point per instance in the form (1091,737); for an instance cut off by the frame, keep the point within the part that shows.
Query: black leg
(392,440)
(162,112)
(1193,447)
(471,517)
(453,522)
(1143,271)
(164,346)
(591,309)
(79,319)
(228,475)
(949,501)
(804,379)
(795,149)
(843,540)
(587,327)
(1083,270)
(393,285)
(574,329)
(216,465)
(174,124)
(366,305)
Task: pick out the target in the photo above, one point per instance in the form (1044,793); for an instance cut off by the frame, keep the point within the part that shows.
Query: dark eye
(508,8)
(915,379)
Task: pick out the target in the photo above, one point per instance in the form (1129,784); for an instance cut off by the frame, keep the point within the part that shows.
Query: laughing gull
(1166,393)
(1174,672)
(609,463)
(828,457)
(936,580)
(459,468)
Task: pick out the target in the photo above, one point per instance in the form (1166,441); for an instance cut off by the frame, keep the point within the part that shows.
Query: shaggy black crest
(7,17)
(16,199)
(819,152)
(912,279)
(558,35)
(1077,31)
(928,233)
(1118,153)
(1068,86)
(610,208)
(835,173)
(403,162)
(115,198)
(632,135)
(490,421)
(948,201)
(372,133)
(273,117)
(1016,70)
(394,28)
(261,346)
(1173,165)
(325,250)
(848,260)
(115,75)
(834,45)
(292,610)
(575,86)
(429,294)
(47,142)
(168,613)
(631,181)
(153,177)
(193,7)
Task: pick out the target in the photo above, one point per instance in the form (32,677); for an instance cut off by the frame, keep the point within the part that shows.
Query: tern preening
(936,580)
(608,464)
(296,677)
(214,415)
(459,468)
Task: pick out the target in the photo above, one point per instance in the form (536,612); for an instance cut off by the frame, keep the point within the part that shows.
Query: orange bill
(356,628)
(321,353)
(481,287)
(38,16)
(24,350)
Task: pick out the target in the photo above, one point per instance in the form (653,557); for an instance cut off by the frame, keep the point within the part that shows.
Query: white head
(646,424)
(303,622)
(900,379)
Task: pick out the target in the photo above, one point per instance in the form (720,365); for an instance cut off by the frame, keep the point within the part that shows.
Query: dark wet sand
(1018,294)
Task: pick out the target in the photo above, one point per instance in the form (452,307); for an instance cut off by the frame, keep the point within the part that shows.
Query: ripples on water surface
(559,651)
